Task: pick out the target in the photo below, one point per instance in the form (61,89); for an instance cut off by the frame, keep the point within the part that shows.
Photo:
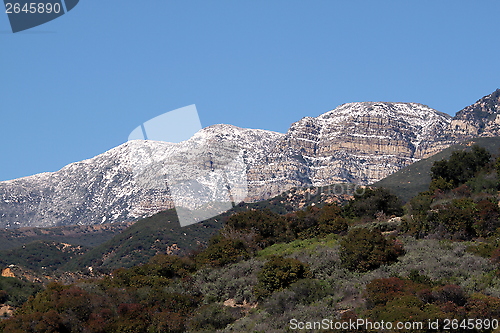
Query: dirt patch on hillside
(6,310)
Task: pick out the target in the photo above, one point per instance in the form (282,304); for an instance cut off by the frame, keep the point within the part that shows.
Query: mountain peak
(231,130)
(481,119)
(390,109)
(350,142)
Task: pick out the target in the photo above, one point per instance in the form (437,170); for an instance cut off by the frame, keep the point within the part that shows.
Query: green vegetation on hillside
(41,256)
(415,178)
(278,273)
(15,292)
(161,233)
(77,235)
(459,168)
(144,239)
(364,250)
(460,207)
(372,203)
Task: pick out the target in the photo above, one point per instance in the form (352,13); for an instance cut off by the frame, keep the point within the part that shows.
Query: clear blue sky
(75,87)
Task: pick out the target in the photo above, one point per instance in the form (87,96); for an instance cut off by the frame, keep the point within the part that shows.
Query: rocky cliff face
(356,142)
(481,119)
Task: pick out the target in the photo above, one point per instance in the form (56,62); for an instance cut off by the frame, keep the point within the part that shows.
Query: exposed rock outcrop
(481,119)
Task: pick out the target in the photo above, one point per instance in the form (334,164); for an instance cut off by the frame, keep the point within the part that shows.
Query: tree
(440,183)
(331,221)
(213,317)
(363,250)
(488,218)
(267,227)
(373,202)
(457,218)
(223,251)
(171,266)
(460,167)
(279,273)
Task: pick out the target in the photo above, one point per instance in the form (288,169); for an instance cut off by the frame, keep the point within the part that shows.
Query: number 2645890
(32,8)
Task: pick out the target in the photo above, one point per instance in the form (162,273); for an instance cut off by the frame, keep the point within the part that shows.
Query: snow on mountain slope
(358,142)
(103,189)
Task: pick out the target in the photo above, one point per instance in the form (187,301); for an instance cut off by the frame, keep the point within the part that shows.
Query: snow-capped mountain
(356,142)
(361,142)
(107,188)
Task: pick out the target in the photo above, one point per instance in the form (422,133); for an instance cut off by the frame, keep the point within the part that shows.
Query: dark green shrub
(279,273)
(212,317)
(17,291)
(265,226)
(440,183)
(484,182)
(416,277)
(420,204)
(482,249)
(460,167)
(488,218)
(223,251)
(304,223)
(395,299)
(331,220)
(450,293)
(404,308)
(3,296)
(373,202)
(317,222)
(363,250)
(171,266)
(308,291)
(456,219)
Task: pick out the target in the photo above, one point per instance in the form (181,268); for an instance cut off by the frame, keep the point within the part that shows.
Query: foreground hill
(162,233)
(85,235)
(415,178)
